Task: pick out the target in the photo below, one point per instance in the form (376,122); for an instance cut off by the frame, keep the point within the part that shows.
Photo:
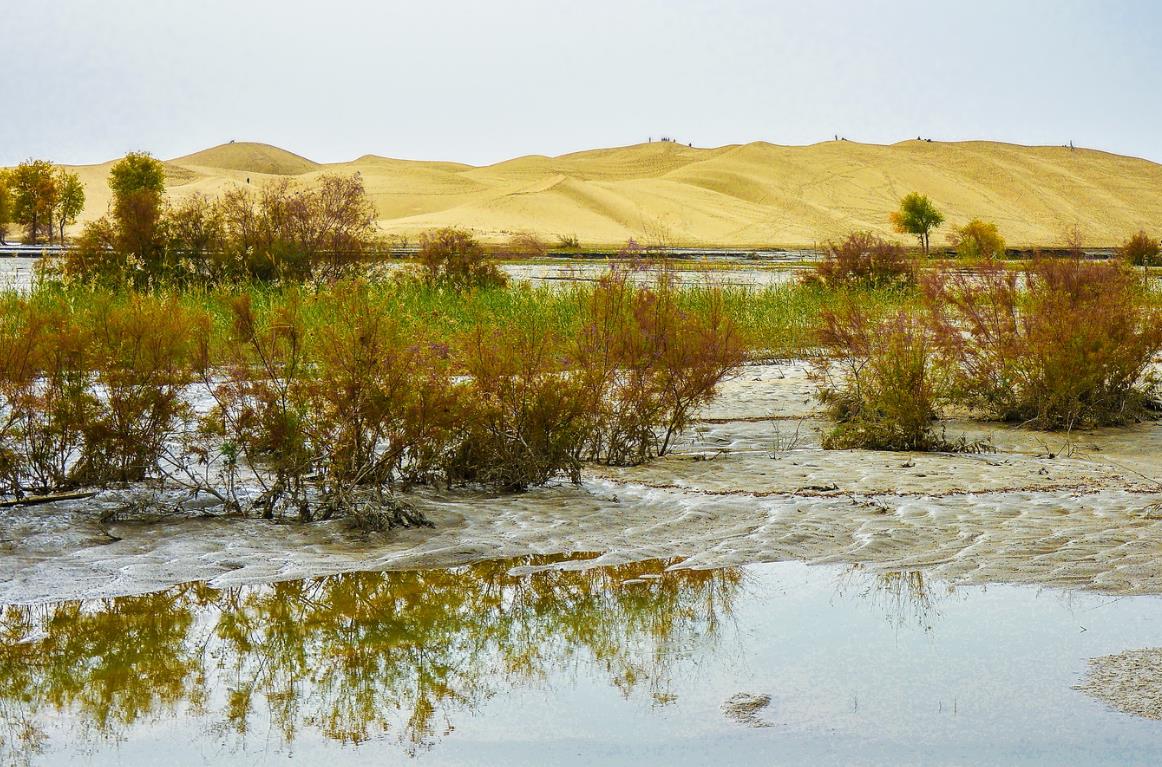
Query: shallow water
(687,274)
(512,663)
(18,273)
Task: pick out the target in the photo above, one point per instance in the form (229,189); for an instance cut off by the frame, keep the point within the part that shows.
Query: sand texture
(749,484)
(732,196)
(1130,682)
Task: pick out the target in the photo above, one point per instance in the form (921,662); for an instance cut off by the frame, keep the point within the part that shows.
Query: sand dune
(748,195)
(253,158)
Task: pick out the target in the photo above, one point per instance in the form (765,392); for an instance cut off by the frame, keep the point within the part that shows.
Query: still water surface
(510,663)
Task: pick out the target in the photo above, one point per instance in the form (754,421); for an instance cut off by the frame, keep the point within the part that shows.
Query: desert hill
(741,195)
(248,157)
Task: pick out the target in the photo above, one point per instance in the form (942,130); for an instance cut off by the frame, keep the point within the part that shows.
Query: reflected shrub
(389,656)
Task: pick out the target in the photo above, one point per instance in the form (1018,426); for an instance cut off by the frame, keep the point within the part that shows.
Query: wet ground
(749,484)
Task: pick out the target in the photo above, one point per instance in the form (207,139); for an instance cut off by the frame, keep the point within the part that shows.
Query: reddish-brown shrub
(296,233)
(381,401)
(523,245)
(653,362)
(454,258)
(525,418)
(46,399)
(880,381)
(141,353)
(260,406)
(864,258)
(1069,349)
(1141,250)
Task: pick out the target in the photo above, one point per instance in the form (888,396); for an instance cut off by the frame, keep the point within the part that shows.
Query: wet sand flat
(749,484)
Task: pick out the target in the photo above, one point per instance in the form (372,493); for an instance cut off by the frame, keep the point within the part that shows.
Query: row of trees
(282,231)
(919,217)
(41,198)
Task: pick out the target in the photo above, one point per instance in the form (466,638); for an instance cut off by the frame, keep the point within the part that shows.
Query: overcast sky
(478,82)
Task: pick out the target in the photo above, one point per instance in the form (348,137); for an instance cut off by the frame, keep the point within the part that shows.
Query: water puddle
(539,660)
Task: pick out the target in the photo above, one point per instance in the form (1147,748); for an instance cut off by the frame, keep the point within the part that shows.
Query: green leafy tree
(137,172)
(33,188)
(918,216)
(70,200)
(138,184)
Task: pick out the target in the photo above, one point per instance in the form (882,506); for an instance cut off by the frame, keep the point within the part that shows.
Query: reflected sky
(630,664)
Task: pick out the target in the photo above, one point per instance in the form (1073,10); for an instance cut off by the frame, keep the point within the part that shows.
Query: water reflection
(907,598)
(353,657)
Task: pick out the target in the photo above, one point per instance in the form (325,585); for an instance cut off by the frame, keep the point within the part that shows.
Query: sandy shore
(751,484)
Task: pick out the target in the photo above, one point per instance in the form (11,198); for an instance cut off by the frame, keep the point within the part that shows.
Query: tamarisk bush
(454,258)
(524,417)
(862,258)
(90,395)
(315,403)
(1069,349)
(652,364)
(142,352)
(880,381)
(46,396)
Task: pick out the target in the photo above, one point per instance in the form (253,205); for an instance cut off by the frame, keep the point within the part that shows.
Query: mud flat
(750,484)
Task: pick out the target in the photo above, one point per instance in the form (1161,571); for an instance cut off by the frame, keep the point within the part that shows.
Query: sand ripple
(1085,518)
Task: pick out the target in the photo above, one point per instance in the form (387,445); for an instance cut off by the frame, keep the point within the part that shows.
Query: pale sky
(87,80)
